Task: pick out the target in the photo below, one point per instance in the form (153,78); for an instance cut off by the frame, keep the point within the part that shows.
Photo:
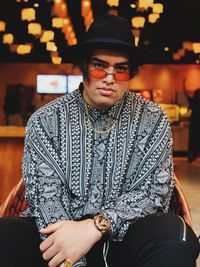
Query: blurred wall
(164,80)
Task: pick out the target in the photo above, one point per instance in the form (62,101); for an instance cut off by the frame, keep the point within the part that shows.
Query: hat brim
(138,55)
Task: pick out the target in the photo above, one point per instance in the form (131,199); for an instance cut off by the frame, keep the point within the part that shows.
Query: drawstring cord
(105,252)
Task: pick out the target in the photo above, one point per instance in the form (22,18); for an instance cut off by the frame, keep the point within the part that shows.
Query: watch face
(102,223)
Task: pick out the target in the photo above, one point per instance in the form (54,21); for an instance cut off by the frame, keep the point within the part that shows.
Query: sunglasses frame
(106,74)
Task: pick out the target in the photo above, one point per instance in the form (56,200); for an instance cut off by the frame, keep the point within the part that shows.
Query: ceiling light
(145,3)
(152,18)
(138,22)
(34,28)
(113,2)
(28,14)
(196,48)
(57,22)
(47,36)
(24,49)
(132,5)
(8,38)
(158,8)
(2,26)
(56,60)
(51,46)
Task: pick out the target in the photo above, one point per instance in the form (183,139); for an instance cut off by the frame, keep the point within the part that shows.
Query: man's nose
(110,77)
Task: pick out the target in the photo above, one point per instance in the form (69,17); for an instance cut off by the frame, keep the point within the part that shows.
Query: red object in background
(146,94)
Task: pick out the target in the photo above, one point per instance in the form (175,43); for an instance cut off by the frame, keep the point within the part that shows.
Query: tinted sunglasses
(101,74)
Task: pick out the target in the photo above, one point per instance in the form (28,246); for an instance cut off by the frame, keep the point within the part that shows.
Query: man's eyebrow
(99,60)
(105,62)
(123,63)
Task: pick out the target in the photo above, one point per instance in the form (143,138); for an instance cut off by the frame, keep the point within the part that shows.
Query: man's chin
(106,104)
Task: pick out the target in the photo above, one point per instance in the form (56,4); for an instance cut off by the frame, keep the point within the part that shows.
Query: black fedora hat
(110,32)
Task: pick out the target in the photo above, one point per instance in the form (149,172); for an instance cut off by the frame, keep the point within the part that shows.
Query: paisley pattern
(71,171)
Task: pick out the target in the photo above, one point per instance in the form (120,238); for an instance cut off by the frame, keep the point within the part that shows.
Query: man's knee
(166,227)
(162,236)
(169,226)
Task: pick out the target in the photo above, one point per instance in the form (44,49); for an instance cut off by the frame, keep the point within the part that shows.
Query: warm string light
(28,14)
(47,36)
(57,22)
(145,4)
(112,3)
(2,26)
(157,8)
(196,48)
(24,49)
(34,28)
(186,46)
(56,59)
(86,12)
(63,21)
(8,38)
(51,46)
(138,22)
(150,10)
(153,18)
(21,49)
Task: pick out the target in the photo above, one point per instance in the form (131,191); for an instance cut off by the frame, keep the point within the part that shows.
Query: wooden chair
(15,203)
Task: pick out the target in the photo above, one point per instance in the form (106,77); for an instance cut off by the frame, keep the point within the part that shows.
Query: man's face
(103,92)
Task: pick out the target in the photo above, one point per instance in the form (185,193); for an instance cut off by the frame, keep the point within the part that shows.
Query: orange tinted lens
(122,76)
(97,74)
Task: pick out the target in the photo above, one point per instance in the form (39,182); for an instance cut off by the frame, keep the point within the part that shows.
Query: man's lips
(106,91)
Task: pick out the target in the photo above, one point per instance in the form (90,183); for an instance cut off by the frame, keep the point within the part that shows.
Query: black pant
(158,240)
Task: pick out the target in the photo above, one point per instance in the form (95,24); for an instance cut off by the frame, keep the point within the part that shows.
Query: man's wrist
(92,228)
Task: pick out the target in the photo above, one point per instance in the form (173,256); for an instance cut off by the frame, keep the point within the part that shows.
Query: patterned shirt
(70,171)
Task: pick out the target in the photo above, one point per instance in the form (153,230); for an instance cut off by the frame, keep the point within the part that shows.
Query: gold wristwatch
(102,224)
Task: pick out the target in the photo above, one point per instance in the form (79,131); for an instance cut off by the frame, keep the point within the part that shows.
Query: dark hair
(84,62)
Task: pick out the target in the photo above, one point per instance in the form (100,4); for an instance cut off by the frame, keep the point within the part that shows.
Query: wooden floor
(189,176)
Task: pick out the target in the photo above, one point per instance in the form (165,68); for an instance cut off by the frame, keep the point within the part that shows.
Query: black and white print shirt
(71,172)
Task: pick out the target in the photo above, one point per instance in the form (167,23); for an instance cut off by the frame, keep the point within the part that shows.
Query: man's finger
(50,253)
(51,228)
(48,242)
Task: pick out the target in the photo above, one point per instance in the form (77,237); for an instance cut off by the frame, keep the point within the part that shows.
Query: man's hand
(68,240)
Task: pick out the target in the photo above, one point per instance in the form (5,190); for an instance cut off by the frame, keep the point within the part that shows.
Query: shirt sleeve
(152,187)
(44,181)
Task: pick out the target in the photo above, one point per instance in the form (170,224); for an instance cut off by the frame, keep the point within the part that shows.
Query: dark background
(179,22)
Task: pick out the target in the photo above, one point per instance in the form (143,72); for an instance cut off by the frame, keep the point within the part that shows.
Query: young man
(98,171)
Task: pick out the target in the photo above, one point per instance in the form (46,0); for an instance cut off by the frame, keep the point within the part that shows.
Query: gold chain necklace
(91,122)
